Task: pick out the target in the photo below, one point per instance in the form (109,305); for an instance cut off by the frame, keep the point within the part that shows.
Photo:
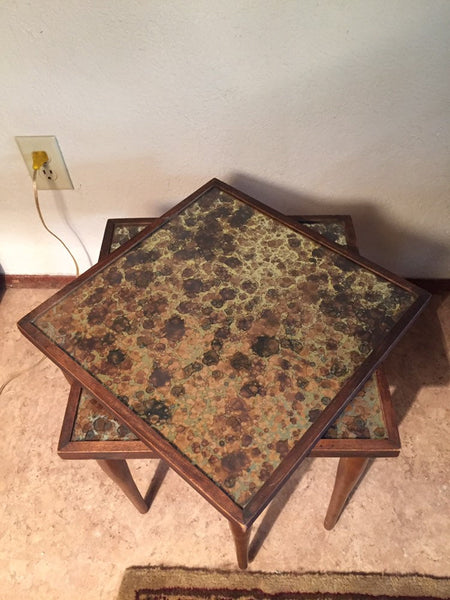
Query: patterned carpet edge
(148,583)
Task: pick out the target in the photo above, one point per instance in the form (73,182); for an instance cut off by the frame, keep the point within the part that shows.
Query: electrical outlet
(47,172)
(54,174)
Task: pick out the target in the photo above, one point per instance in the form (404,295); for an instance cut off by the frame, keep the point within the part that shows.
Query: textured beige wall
(311,106)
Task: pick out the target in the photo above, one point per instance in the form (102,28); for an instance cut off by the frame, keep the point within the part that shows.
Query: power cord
(40,158)
(19,373)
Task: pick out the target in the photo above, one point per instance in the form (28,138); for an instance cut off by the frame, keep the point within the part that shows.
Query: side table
(366,429)
(228,338)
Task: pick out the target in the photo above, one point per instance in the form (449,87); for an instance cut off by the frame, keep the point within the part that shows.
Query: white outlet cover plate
(28,144)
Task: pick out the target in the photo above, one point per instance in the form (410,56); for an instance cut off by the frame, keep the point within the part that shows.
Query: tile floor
(67,533)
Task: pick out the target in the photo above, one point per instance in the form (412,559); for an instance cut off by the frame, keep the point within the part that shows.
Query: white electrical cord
(77,270)
(38,208)
(19,373)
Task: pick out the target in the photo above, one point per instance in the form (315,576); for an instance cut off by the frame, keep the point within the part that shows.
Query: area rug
(165,583)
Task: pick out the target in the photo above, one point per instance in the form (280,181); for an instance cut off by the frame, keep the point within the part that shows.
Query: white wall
(311,106)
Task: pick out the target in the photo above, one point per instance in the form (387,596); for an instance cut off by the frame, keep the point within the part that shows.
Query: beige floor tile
(67,533)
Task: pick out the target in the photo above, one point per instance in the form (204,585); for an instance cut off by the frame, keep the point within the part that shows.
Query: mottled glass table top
(362,419)
(228,333)
(333,230)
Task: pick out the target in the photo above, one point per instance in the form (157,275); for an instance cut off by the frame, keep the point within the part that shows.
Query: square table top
(228,338)
(366,426)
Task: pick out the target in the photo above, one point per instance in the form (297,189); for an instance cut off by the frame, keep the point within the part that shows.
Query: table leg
(241,536)
(349,472)
(68,376)
(119,472)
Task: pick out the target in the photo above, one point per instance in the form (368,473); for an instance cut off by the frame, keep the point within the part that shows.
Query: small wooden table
(367,428)
(227,338)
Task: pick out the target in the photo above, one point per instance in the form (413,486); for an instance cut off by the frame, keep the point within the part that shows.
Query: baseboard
(37,281)
(2,284)
(434,286)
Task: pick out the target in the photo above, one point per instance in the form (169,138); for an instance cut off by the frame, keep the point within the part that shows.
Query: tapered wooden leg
(241,536)
(119,472)
(68,376)
(349,472)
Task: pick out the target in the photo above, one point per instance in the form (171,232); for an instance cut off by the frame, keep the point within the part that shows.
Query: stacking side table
(229,338)
(366,429)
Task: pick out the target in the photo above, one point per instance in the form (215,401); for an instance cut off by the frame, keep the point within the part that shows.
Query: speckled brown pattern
(335,232)
(94,422)
(123,233)
(362,419)
(228,333)
(331,230)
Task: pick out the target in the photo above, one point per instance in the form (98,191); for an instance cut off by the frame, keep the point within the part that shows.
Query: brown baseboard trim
(37,281)
(434,286)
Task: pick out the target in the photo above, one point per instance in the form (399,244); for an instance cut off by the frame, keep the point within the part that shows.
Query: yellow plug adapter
(40,157)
